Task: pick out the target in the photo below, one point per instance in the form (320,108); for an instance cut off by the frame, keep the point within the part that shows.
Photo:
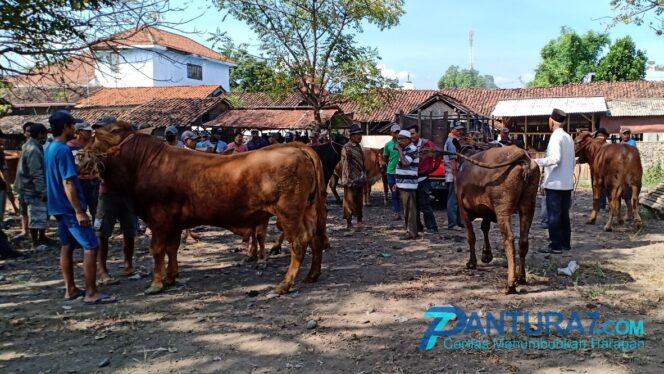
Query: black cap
(355,129)
(104,121)
(603,131)
(558,115)
(62,117)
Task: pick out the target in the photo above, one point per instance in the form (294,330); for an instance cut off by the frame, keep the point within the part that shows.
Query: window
(194,72)
(110,59)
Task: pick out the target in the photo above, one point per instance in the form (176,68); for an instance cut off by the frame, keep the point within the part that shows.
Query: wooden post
(419,119)
(467,123)
(525,130)
(430,125)
(568,122)
(401,118)
(592,122)
(446,129)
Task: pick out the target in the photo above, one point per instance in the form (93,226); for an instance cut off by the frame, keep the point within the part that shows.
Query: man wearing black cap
(558,183)
(31,185)
(67,203)
(353,176)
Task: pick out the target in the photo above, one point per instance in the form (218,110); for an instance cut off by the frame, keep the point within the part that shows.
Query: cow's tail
(318,197)
(510,160)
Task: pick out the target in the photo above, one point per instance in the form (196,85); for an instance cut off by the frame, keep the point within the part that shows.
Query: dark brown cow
(174,189)
(375,168)
(614,168)
(493,185)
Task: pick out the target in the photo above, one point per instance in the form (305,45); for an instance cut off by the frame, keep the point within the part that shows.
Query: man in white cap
(406,182)
(558,183)
(189,140)
(391,156)
(626,136)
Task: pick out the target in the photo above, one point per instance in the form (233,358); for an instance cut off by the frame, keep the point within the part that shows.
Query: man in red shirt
(427,165)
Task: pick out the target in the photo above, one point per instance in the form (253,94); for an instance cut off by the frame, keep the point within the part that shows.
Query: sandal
(76,296)
(108,281)
(103,299)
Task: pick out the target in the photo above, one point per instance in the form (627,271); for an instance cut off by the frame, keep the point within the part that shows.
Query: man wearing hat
(89,184)
(391,156)
(189,140)
(290,137)
(406,182)
(31,185)
(256,142)
(558,183)
(204,145)
(353,176)
(67,203)
(626,136)
(273,138)
(450,162)
(171,135)
(314,139)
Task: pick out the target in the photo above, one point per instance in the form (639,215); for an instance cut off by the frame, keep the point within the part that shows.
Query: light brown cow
(615,168)
(493,185)
(174,189)
(375,168)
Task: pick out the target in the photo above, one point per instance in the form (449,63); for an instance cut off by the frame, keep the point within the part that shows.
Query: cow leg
(298,248)
(470,234)
(158,246)
(487,256)
(597,194)
(333,186)
(614,204)
(276,247)
(172,270)
(634,204)
(505,223)
(261,233)
(316,259)
(250,243)
(367,194)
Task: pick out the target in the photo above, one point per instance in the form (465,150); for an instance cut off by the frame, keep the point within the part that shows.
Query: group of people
(213,143)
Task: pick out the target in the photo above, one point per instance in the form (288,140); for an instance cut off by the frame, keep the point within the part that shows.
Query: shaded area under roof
(296,118)
(544,106)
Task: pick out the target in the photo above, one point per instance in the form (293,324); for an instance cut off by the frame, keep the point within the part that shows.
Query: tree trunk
(319,122)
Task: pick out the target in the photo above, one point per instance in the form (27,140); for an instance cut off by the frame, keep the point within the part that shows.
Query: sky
(433,34)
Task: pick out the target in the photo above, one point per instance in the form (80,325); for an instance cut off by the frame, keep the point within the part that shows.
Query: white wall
(170,69)
(159,68)
(135,70)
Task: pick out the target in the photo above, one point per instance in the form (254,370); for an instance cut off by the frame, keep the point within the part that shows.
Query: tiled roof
(636,107)
(39,96)
(164,112)
(14,124)
(74,72)
(92,115)
(261,100)
(154,36)
(134,96)
(483,100)
(294,118)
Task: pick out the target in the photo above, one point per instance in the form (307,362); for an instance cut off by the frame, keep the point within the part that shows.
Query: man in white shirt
(558,183)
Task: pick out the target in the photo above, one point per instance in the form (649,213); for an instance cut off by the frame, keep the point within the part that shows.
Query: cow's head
(581,142)
(105,143)
(382,165)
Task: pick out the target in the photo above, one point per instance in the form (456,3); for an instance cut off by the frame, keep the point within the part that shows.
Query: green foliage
(653,175)
(464,78)
(623,62)
(313,44)
(569,58)
(640,12)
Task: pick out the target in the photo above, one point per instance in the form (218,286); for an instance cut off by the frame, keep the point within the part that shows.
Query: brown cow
(614,168)
(493,185)
(235,192)
(375,168)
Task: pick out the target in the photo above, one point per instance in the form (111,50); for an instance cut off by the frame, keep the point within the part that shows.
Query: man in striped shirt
(406,175)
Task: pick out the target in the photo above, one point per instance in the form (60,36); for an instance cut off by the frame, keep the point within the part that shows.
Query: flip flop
(18,238)
(74,297)
(104,299)
(108,281)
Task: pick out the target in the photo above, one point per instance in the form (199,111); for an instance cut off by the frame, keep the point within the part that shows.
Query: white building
(151,57)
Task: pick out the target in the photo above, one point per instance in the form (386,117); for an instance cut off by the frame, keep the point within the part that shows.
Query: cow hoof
(521,280)
(487,257)
(590,222)
(275,250)
(621,222)
(282,289)
(311,278)
(169,281)
(510,290)
(608,228)
(471,265)
(251,259)
(153,290)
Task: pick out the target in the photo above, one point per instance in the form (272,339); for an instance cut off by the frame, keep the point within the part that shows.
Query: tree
(465,78)
(623,62)
(637,11)
(313,43)
(36,35)
(569,58)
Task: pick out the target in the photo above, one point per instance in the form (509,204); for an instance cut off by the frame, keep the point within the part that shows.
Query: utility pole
(470,50)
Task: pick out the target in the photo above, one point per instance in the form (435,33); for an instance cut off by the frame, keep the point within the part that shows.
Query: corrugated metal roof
(544,106)
(636,107)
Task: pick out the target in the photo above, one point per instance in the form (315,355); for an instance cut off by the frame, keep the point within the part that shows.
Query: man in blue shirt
(67,203)
(626,137)
(256,141)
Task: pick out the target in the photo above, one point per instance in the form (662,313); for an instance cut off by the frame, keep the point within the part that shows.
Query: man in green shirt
(391,156)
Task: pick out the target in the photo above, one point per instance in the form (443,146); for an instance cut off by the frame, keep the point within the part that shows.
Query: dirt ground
(368,305)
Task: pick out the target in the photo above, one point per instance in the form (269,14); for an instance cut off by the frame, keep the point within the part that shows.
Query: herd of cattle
(289,181)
